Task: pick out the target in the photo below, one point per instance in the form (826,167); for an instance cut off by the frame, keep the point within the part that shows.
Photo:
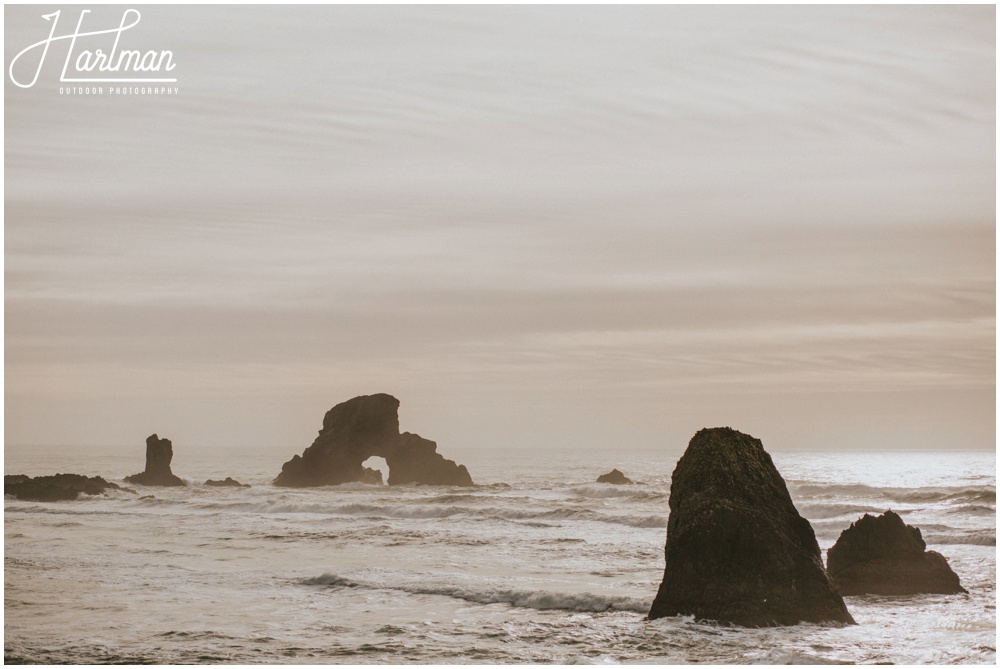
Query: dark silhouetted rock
(54,488)
(371,476)
(159,453)
(358,429)
(614,476)
(884,556)
(737,550)
(230,482)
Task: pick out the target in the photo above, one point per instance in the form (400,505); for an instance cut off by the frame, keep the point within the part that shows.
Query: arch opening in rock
(375,470)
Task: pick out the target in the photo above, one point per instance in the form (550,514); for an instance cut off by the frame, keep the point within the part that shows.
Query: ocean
(535,564)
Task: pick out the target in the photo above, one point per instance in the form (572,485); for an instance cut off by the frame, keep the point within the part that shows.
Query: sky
(537,226)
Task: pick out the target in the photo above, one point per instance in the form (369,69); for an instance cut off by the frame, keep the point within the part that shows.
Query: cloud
(510,204)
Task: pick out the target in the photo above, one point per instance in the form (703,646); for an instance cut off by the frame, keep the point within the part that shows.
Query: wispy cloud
(508,204)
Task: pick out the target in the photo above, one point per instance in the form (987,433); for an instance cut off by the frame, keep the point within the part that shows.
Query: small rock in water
(54,488)
(614,476)
(371,476)
(737,550)
(230,482)
(884,556)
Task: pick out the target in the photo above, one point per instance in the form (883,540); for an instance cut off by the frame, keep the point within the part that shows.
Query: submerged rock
(358,429)
(737,550)
(230,482)
(159,453)
(371,476)
(54,488)
(884,556)
(615,477)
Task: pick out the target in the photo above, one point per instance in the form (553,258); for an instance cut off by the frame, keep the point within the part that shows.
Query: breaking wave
(606,491)
(527,599)
(423,511)
(904,495)
(777,656)
(975,538)
(974,510)
(820,510)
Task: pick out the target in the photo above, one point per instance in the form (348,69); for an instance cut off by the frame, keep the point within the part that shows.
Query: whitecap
(973,538)
(778,656)
(530,599)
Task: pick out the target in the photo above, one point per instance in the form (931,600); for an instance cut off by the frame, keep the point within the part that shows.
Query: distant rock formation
(884,556)
(371,476)
(54,488)
(737,550)
(358,429)
(159,453)
(230,482)
(614,476)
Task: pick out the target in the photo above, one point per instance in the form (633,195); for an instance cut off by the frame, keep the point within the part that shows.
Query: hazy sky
(535,226)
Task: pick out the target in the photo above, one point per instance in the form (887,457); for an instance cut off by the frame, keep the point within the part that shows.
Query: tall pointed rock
(737,550)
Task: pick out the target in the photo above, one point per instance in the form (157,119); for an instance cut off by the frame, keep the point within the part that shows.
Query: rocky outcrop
(371,476)
(737,550)
(230,482)
(615,477)
(358,429)
(884,556)
(54,488)
(413,459)
(159,453)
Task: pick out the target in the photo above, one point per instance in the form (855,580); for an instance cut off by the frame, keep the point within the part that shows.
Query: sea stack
(358,429)
(884,556)
(737,550)
(615,477)
(159,453)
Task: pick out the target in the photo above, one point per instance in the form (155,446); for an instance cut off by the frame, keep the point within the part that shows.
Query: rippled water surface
(535,564)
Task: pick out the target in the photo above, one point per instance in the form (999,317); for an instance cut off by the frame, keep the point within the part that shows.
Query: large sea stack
(884,556)
(737,551)
(159,453)
(358,429)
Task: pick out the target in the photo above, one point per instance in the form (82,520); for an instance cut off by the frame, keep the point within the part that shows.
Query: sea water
(537,563)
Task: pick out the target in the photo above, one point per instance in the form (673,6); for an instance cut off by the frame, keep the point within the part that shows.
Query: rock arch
(358,429)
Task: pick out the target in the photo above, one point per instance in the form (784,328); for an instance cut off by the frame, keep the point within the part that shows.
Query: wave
(946,495)
(974,538)
(605,491)
(834,510)
(777,656)
(974,510)
(923,494)
(932,533)
(435,512)
(527,599)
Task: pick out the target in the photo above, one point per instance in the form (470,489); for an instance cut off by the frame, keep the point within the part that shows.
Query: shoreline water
(538,563)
